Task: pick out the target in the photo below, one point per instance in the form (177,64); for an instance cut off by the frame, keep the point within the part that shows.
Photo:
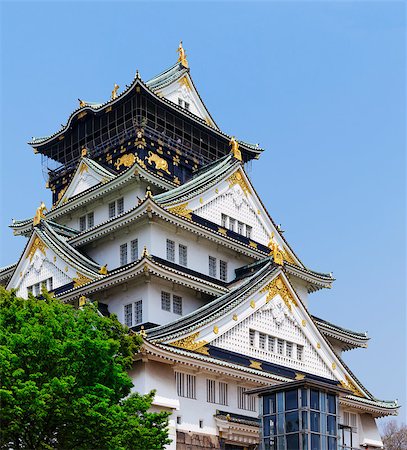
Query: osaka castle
(154,217)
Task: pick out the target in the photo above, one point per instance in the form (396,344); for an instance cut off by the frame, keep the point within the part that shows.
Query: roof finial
(39,214)
(182,55)
(103,270)
(84,152)
(114,92)
(142,332)
(145,252)
(235,148)
(137,74)
(275,251)
(82,103)
(148,192)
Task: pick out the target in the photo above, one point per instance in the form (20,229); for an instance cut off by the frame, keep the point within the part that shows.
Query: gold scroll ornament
(277,286)
(190,343)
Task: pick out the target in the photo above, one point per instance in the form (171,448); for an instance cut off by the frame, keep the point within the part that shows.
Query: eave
(346,338)
(150,208)
(137,82)
(24,227)
(147,266)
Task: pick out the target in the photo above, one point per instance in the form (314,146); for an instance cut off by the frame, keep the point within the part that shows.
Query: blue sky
(320,85)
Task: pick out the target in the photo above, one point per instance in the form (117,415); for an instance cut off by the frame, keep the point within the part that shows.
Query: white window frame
(183,255)
(170,250)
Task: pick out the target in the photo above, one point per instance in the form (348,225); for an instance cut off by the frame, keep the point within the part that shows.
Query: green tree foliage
(64,383)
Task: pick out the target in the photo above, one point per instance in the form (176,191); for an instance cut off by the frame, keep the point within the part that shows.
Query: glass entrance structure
(300,415)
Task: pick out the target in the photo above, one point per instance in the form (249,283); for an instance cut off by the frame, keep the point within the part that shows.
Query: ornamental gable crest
(88,174)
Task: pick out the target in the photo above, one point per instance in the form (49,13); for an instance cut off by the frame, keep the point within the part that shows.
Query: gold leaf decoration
(181,210)
(350,385)
(80,279)
(255,365)
(160,163)
(277,286)
(126,160)
(222,231)
(36,245)
(190,343)
(237,178)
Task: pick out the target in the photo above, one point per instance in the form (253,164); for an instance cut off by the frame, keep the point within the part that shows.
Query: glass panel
(314,399)
(293,442)
(304,397)
(280,443)
(280,401)
(291,400)
(315,442)
(270,404)
(314,421)
(322,399)
(332,443)
(304,420)
(304,441)
(280,424)
(331,425)
(331,404)
(292,422)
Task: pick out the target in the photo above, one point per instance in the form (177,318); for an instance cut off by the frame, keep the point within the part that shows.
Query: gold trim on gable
(238,179)
(181,210)
(190,343)
(277,286)
(80,279)
(36,245)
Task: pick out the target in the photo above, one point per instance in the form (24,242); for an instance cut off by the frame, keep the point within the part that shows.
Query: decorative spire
(39,214)
(137,74)
(142,332)
(235,149)
(103,270)
(145,252)
(114,92)
(182,58)
(82,103)
(148,192)
(275,251)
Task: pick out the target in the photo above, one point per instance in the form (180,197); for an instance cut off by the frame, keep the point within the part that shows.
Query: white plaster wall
(199,250)
(100,207)
(301,289)
(107,250)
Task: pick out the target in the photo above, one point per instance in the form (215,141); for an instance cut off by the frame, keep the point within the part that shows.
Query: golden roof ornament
(182,58)
(114,92)
(145,252)
(278,256)
(84,152)
(82,103)
(235,148)
(39,214)
(82,300)
(142,332)
(103,270)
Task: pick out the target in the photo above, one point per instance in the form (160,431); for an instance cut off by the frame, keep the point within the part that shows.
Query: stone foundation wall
(194,441)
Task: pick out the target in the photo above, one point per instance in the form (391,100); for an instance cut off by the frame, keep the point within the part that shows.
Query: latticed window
(280,346)
(212,266)
(112,209)
(232,224)
(183,255)
(128,315)
(244,401)
(289,349)
(248,231)
(91,220)
(271,344)
(300,352)
(120,205)
(223,393)
(252,335)
(123,254)
(177,304)
(240,227)
(170,250)
(224,219)
(82,223)
(186,385)
(262,340)
(223,270)
(211,391)
(138,312)
(134,250)
(165,301)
